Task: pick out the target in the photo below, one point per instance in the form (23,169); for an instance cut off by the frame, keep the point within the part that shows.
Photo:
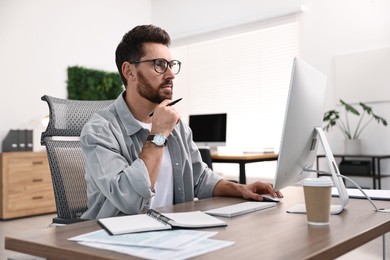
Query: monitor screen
(209,130)
(304,112)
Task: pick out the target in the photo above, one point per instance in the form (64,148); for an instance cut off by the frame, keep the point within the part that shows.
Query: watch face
(159,140)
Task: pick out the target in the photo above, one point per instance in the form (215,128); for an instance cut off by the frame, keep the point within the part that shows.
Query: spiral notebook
(153,220)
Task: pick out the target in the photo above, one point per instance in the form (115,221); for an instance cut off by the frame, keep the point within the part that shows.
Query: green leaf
(349,108)
(366,108)
(331,117)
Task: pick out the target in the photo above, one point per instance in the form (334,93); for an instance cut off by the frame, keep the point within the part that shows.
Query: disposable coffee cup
(317,199)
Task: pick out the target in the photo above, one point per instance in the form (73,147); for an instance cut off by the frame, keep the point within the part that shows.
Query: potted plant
(351,134)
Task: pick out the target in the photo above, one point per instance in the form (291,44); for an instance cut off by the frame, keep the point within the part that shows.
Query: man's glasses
(161,65)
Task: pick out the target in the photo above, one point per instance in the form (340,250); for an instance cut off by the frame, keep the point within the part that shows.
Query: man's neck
(139,106)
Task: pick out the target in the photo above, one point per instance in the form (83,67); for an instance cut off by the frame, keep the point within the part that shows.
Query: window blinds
(245,74)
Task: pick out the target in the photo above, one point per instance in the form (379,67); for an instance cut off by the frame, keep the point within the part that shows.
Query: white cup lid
(318,182)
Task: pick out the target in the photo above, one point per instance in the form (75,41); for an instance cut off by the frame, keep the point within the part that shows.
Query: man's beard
(145,89)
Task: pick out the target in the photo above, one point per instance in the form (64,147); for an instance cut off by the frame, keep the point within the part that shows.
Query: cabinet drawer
(31,200)
(26,165)
(27,204)
(25,182)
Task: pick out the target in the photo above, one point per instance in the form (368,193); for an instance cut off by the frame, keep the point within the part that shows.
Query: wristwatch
(158,140)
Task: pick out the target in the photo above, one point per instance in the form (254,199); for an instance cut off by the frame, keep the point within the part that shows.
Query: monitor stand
(213,149)
(337,180)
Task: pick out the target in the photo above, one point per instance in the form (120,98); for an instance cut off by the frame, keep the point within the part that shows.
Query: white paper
(373,194)
(201,247)
(172,239)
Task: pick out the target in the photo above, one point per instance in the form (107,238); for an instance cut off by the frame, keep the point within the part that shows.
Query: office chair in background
(67,165)
(206,157)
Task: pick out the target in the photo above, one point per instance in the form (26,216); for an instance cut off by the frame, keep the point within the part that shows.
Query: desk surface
(268,234)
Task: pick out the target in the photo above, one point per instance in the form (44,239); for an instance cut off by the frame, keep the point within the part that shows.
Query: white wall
(330,28)
(350,26)
(339,27)
(41,38)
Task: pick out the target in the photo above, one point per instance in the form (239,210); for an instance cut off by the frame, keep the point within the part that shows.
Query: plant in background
(332,118)
(91,84)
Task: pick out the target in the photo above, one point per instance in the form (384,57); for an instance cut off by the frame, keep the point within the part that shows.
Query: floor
(370,251)
(21,225)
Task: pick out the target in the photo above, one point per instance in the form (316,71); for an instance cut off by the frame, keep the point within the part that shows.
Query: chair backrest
(67,165)
(206,157)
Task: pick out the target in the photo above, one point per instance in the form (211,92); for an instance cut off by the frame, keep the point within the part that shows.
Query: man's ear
(127,70)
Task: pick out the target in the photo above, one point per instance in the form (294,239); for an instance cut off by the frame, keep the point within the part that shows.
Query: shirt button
(179,188)
(176,164)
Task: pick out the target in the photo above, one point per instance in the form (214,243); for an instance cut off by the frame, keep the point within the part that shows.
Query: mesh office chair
(67,166)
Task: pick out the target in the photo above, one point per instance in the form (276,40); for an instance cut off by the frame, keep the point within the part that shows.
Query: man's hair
(131,47)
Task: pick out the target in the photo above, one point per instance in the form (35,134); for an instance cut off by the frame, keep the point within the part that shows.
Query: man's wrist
(158,139)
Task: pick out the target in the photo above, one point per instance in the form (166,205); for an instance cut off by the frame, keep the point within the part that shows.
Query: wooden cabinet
(26,187)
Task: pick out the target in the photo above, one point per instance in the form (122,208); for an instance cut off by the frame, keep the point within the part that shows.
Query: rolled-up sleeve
(115,183)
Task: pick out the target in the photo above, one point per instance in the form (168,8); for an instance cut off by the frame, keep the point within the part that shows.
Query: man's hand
(251,191)
(164,119)
(254,190)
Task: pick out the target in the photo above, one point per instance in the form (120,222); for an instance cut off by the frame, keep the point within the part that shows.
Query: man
(135,161)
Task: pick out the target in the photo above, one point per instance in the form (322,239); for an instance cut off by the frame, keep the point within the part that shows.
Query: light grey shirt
(118,181)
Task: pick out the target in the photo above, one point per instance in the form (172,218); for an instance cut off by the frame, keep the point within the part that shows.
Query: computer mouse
(269,198)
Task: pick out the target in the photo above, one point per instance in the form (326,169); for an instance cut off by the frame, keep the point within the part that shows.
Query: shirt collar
(128,120)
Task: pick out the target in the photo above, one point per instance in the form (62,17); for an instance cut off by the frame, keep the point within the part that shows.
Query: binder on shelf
(29,140)
(22,140)
(18,140)
(11,141)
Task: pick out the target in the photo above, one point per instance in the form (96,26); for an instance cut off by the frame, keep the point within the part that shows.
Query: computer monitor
(209,130)
(302,132)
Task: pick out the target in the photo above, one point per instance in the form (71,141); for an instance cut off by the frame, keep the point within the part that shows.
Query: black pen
(170,104)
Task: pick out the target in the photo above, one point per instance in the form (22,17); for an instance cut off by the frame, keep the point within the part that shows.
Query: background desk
(375,166)
(267,234)
(243,159)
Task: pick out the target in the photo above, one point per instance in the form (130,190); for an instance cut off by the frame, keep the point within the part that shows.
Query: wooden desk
(268,234)
(243,159)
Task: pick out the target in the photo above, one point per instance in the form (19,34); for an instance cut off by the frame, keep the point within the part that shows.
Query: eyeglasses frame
(154,64)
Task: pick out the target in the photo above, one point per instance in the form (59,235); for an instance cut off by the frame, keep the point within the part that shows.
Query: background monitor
(304,112)
(209,130)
